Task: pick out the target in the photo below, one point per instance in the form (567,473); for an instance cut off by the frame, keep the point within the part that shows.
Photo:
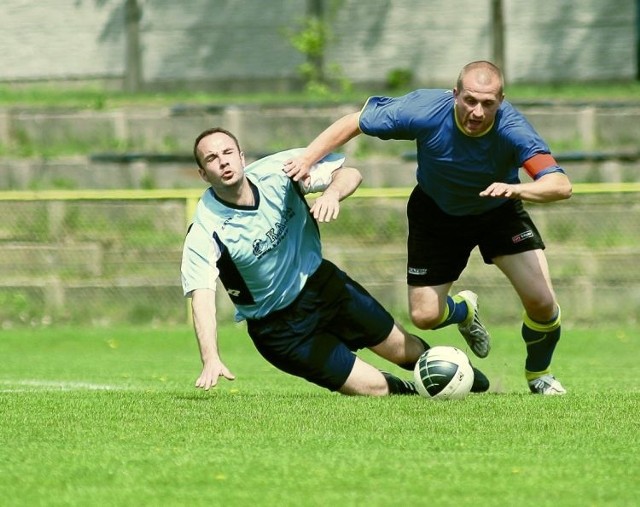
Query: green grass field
(110,417)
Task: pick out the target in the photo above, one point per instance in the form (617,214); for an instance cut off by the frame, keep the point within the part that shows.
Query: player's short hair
(208,132)
(481,64)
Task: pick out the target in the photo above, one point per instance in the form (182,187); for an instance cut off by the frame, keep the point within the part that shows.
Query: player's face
(477,103)
(222,160)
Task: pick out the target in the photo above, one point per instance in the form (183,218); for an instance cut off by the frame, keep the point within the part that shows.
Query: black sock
(399,386)
(541,339)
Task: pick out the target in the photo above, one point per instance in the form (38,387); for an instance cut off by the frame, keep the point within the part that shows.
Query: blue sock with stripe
(455,312)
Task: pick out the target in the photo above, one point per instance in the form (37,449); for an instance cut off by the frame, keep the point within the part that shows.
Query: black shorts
(439,244)
(314,337)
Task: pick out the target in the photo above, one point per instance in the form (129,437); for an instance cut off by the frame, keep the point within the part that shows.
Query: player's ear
(242,159)
(203,174)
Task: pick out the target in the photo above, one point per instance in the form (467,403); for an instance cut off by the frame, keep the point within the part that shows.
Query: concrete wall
(236,43)
(151,148)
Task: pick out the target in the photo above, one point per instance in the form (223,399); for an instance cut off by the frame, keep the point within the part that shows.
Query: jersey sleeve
(377,117)
(382,117)
(532,152)
(403,118)
(200,254)
(321,173)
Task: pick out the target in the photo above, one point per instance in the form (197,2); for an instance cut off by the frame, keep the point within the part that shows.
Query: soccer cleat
(475,334)
(546,384)
(480,381)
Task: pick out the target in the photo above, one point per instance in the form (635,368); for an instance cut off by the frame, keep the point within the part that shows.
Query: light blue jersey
(263,254)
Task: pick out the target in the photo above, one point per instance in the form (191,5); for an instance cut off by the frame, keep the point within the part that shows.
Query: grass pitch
(110,417)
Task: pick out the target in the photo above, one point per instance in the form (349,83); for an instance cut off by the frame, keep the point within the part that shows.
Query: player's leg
(512,242)
(317,336)
(401,347)
(429,306)
(438,249)
(325,360)
(434,260)
(404,349)
(368,380)
(434,308)
(300,349)
(460,309)
(360,321)
(528,272)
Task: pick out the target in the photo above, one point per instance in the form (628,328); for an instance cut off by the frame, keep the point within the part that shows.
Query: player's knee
(364,380)
(424,318)
(542,310)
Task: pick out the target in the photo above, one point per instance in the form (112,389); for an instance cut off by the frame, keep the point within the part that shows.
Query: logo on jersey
(260,246)
(522,236)
(417,271)
(273,236)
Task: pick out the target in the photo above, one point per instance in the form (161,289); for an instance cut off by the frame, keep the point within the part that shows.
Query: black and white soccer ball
(443,373)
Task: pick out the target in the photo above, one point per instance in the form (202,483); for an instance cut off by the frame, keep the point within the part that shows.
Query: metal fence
(103,257)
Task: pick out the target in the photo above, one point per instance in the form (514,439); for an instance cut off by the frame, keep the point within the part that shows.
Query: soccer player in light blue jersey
(471,144)
(254,231)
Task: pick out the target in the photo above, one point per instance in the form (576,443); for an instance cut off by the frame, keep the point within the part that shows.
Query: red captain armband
(538,163)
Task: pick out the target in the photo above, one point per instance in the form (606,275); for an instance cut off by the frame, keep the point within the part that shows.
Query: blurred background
(100,101)
(251,45)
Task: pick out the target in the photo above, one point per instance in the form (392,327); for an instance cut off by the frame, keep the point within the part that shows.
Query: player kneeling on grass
(255,232)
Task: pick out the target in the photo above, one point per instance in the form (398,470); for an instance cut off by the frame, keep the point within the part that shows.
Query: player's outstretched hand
(296,168)
(211,372)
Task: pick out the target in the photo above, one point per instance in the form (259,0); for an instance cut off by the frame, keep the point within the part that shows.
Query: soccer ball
(443,373)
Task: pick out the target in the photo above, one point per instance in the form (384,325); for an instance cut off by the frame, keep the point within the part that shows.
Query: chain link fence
(114,256)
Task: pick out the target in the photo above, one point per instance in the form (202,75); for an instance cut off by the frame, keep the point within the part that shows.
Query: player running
(471,144)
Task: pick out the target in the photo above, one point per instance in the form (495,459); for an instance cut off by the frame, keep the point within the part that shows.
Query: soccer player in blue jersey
(254,231)
(471,144)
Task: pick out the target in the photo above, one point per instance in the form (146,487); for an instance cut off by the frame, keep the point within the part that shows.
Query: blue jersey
(452,166)
(263,254)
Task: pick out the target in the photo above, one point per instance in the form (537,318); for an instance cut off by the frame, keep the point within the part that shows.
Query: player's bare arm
(550,183)
(344,182)
(548,188)
(203,307)
(337,134)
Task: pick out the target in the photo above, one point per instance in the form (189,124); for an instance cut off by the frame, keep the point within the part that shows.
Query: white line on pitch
(55,385)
